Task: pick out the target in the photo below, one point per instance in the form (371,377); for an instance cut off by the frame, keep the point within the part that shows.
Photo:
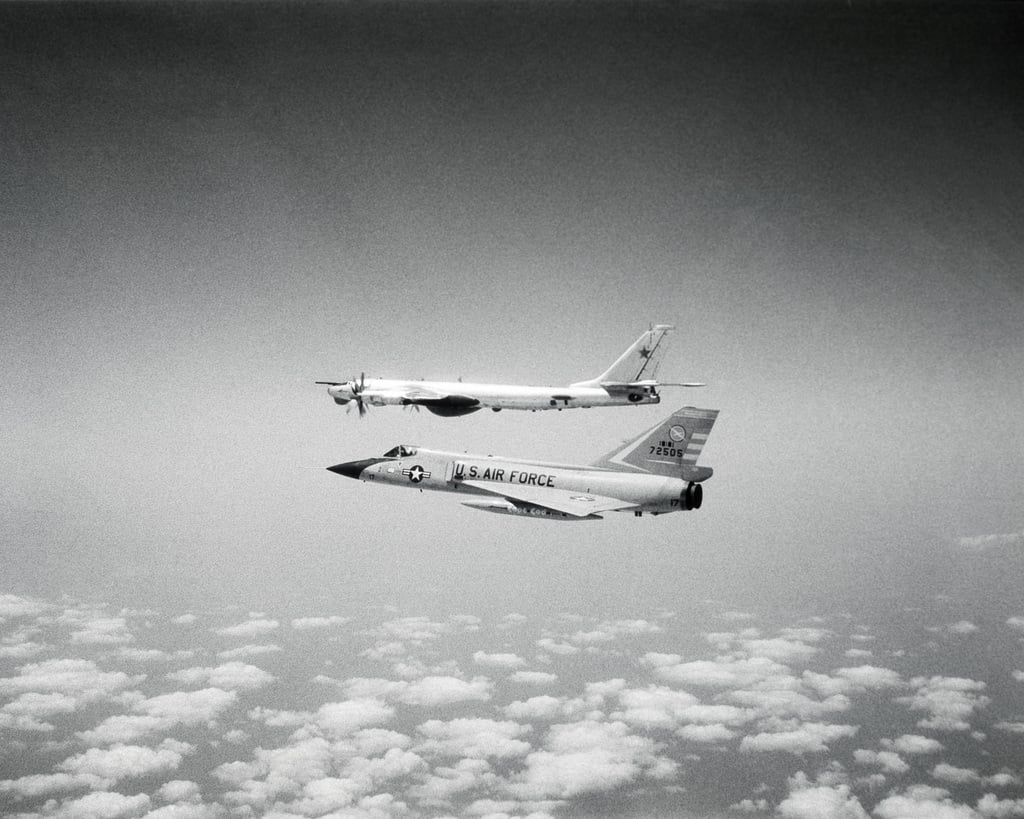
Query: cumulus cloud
(542,708)
(248,650)
(914,745)
(589,757)
(552,646)
(250,628)
(36,785)
(498,660)
(30,710)
(533,677)
(922,802)
(12,606)
(339,719)
(77,678)
(888,761)
(162,713)
(473,738)
(102,631)
(982,543)
(102,805)
(415,629)
(726,672)
(1016,623)
(820,800)
(810,737)
(126,761)
(307,623)
(434,691)
(233,676)
(949,701)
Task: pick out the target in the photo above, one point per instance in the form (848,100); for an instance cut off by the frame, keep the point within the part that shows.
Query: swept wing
(577,504)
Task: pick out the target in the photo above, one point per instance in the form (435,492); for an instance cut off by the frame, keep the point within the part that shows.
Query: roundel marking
(677,433)
(416,474)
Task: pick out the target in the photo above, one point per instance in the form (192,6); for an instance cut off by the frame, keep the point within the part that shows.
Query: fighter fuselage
(458,472)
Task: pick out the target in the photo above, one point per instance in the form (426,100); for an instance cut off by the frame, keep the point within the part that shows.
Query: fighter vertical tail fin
(639,363)
(670,448)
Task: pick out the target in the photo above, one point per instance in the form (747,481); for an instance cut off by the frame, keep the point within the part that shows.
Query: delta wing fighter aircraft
(657,473)
(630,380)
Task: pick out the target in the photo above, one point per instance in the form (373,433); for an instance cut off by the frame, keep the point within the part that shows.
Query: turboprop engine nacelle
(692,497)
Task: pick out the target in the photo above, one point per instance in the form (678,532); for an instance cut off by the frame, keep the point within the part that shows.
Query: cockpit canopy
(401,451)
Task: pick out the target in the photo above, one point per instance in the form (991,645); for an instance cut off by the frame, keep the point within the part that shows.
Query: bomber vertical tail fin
(639,363)
(670,448)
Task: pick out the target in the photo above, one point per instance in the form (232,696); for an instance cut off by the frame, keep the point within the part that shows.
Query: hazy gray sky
(207,207)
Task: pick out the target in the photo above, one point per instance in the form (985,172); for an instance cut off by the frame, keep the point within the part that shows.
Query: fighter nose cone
(352,469)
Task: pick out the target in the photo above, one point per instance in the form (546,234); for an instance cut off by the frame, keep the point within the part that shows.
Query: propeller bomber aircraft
(630,380)
(657,473)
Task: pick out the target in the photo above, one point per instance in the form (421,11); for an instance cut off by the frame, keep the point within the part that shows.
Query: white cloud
(126,761)
(12,606)
(36,785)
(981,543)
(821,800)
(954,775)
(473,738)
(721,673)
(1016,623)
(949,701)
(248,650)
(81,679)
(250,628)
(102,631)
(415,629)
(779,649)
(188,707)
(306,623)
(499,660)
(433,691)
(810,737)
(30,710)
(161,713)
(179,790)
(533,677)
(922,802)
(588,757)
(540,708)
(1010,727)
(102,805)
(187,810)
(962,627)
(184,619)
(888,761)
(914,744)
(554,647)
(233,676)
(706,734)
(991,807)
(339,719)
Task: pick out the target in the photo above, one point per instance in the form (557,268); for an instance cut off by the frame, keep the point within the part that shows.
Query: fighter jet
(657,473)
(630,380)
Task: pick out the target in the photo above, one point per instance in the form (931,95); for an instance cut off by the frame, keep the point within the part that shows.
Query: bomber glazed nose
(353,469)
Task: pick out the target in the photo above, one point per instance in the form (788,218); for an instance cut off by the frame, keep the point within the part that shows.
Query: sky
(208,207)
